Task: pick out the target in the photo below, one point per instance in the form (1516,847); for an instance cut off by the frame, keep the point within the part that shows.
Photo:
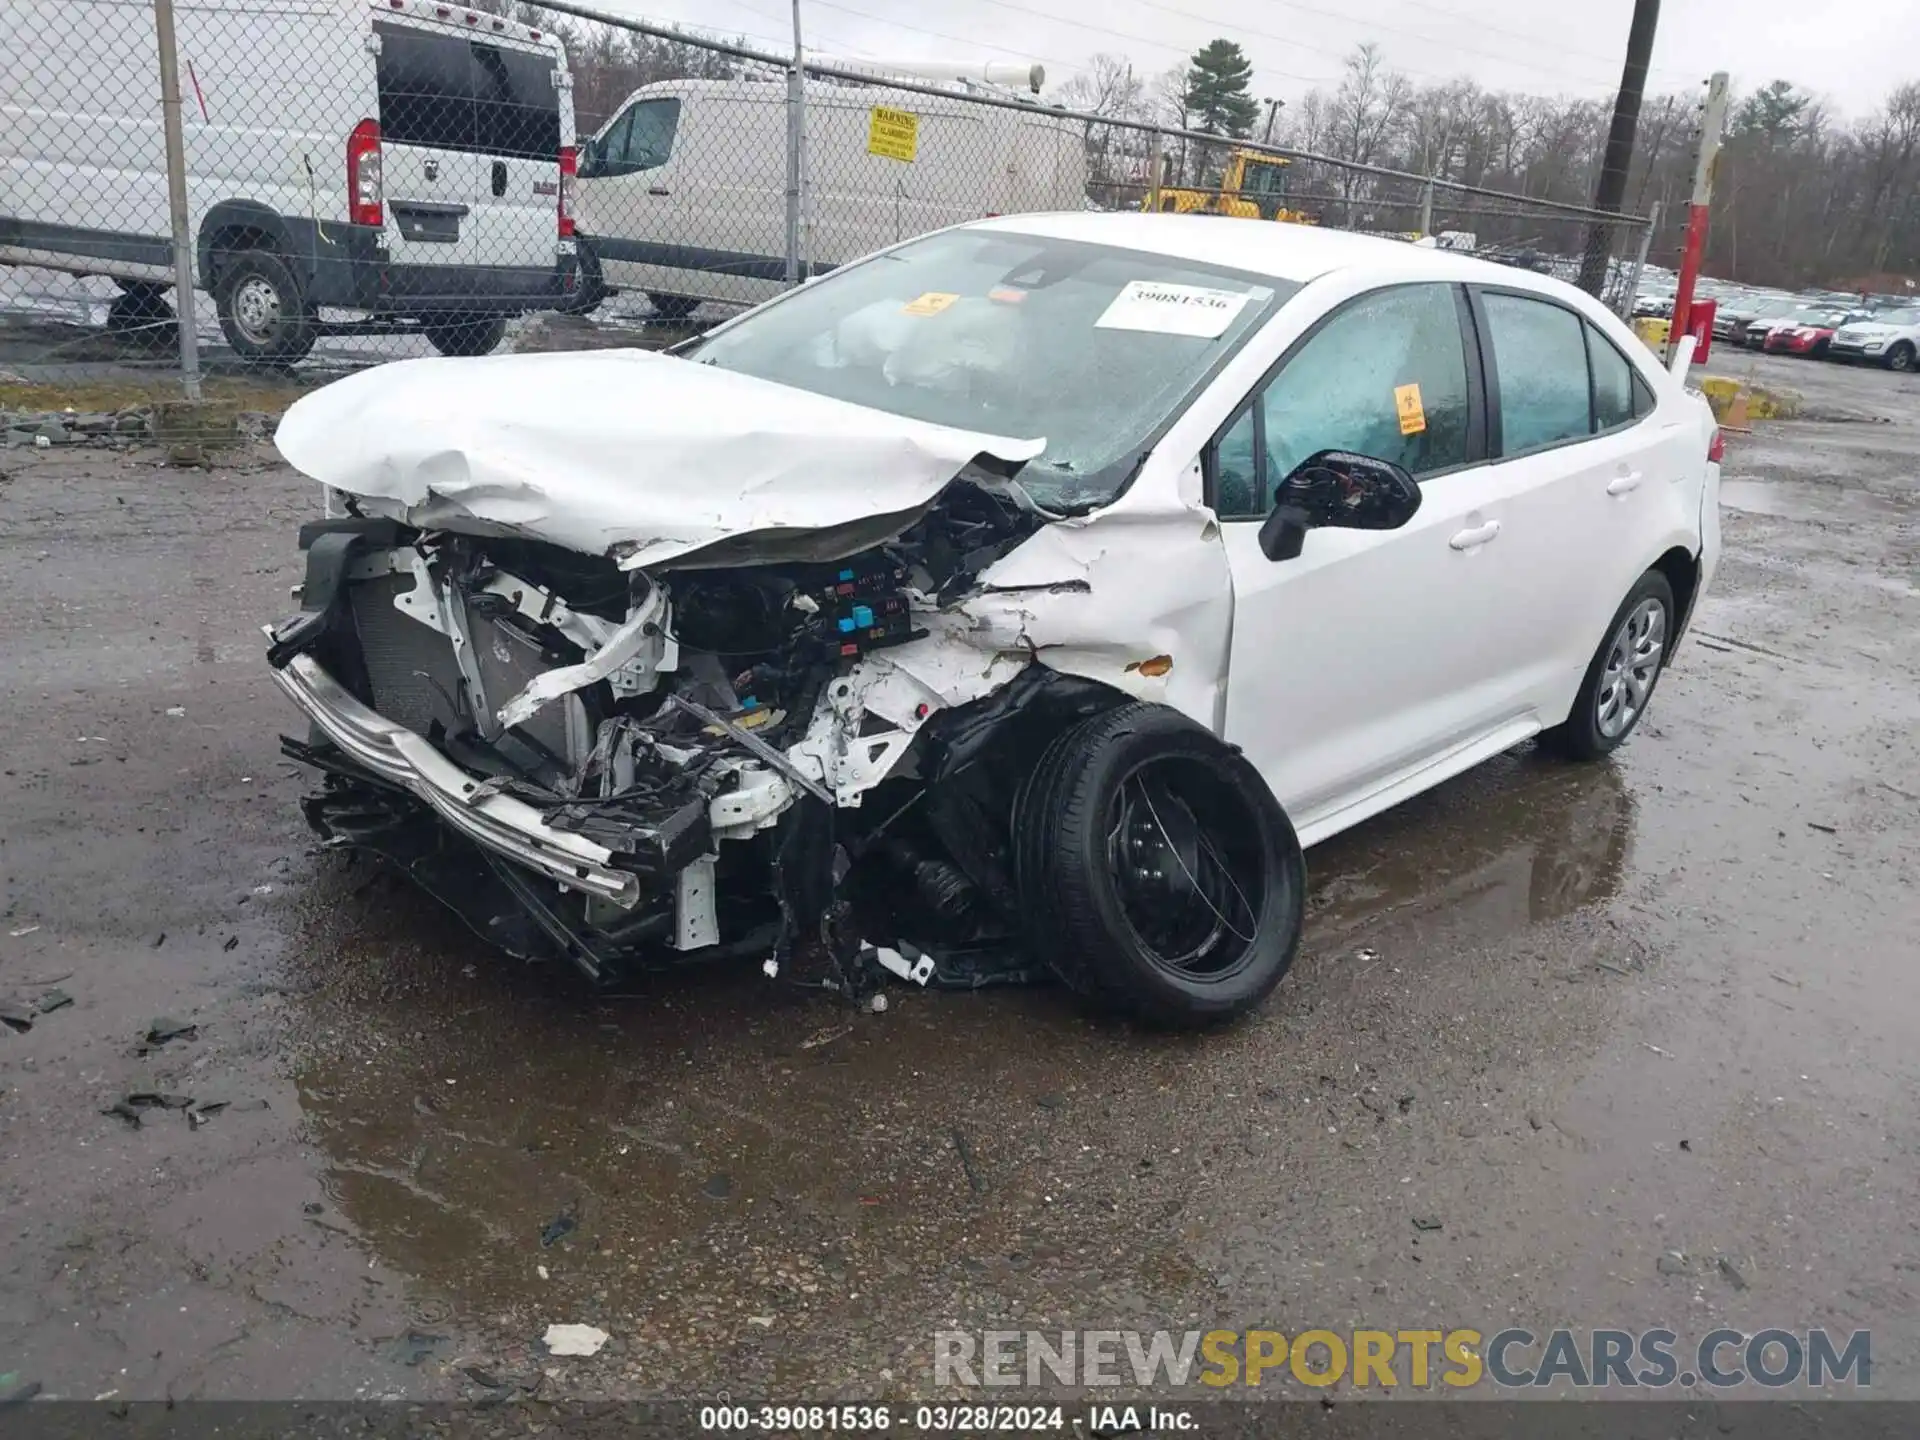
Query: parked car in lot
(1889,337)
(1806,332)
(1038,588)
(1731,322)
(350,167)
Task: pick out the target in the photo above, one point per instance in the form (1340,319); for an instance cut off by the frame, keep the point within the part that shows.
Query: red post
(1694,247)
(1713,118)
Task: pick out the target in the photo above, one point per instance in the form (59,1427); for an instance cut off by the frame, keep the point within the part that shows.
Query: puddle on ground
(1802,502)
(715,1148)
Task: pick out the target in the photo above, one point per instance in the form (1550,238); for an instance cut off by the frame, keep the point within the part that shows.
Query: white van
(682,194)
(398,160)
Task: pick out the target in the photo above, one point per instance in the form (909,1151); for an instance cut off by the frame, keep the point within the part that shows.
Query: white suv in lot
(1027,596)
(1891,338)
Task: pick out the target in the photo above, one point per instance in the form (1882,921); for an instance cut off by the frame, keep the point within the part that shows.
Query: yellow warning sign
(931,303)
(894,134)
(1413,414)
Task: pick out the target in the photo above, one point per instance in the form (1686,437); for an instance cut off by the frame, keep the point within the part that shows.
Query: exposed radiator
(416,680)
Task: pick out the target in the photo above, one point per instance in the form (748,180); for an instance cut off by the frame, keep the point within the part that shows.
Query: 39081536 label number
(970,1418)
(794,1419)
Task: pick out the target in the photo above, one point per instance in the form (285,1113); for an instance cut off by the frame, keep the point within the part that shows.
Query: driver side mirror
(1337,489)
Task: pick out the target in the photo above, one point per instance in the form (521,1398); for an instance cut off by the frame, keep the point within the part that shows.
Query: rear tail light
(364,194)
(569,167)
(1716,447)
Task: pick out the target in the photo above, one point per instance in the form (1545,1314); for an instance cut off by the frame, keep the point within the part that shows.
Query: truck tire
(1157,875)
(262,312)
(465,337)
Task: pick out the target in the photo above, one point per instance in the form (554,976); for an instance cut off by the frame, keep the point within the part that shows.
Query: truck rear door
(524,112)
(436,178)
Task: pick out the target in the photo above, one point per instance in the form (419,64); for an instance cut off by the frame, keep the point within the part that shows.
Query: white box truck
(682,194)
(352,166)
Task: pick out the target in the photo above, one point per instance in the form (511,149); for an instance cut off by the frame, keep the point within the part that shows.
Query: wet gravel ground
(1580,1017)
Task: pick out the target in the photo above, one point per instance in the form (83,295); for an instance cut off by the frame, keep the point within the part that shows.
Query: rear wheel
(1901,356)
(672,307)
(1620,679)
(1157,874)
(465,337)
(262,312)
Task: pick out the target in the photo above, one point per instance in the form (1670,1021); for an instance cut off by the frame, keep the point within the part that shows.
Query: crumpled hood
(623,452)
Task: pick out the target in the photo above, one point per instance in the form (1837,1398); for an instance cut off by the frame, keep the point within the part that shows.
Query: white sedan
(1025,597)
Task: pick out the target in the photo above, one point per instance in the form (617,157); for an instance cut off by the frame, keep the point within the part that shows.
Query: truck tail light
(1716,447)
(569,167)
(364,193)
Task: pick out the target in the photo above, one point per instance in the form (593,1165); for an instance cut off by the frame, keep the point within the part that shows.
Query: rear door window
(444,92)
(1613,379)
(1539,356)
(516,108)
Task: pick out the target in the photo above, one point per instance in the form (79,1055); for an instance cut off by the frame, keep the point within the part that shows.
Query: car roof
(1287,252)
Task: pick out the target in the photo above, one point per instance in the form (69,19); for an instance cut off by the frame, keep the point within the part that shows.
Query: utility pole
(1612,188)
(1273,109)
(796,147)
(177,196)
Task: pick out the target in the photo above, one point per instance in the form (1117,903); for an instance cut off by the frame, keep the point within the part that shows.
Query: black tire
(465,337)
(1596,726)
(142,317)
(262,312)
(1079,858)
(672,307)
(1901,356)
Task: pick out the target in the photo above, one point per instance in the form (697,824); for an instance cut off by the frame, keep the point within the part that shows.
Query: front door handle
(658,190)
(1476,537)
(1621,484)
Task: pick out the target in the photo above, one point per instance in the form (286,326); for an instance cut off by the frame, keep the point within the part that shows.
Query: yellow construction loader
(1252,187)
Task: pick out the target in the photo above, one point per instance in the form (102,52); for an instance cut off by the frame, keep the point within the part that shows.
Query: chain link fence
(365,180)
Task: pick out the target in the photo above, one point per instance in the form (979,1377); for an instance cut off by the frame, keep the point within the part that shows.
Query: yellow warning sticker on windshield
(931,303)
(1413,415)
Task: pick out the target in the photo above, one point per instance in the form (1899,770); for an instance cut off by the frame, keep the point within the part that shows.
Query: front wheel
(1620,679)
(1156,873)
(1901,357)
(465,337)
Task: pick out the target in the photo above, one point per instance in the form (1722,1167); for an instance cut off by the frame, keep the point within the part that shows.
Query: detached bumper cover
(500,823)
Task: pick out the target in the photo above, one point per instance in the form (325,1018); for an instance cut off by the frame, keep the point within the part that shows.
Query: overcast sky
(1529,45)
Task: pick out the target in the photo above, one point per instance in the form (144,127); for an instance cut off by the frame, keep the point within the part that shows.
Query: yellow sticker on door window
(893,134)
(931,303)
(1413,415)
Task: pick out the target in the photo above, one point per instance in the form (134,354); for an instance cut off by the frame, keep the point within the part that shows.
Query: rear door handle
(1476,537)
(1621,484)
(658,190)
